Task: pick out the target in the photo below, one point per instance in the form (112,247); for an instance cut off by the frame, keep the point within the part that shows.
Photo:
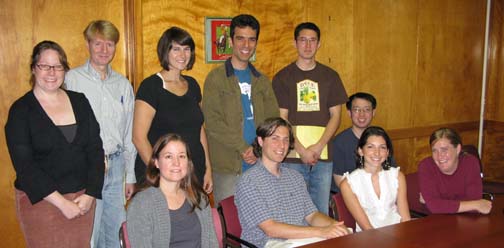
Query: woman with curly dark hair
(375,192)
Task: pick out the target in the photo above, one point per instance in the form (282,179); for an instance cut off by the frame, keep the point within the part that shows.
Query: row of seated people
(69,171)
(274,206)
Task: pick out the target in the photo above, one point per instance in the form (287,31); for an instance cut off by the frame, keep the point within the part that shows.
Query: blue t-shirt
(248,110)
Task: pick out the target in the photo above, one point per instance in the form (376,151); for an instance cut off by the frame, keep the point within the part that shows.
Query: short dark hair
(165,44)
(375,131)
(361,95)
(46,45)
(267,129)
(245,20)
(306,25)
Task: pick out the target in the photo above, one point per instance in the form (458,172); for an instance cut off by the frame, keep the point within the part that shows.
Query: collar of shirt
(95,74)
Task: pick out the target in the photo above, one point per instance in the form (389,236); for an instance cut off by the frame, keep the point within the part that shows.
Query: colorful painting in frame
(217,39)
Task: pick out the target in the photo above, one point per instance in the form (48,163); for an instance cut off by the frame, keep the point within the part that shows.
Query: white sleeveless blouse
(380,211)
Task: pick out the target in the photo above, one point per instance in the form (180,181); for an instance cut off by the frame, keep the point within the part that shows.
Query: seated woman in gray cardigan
(173,209)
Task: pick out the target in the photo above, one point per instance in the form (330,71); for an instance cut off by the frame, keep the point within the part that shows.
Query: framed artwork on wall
(217,39)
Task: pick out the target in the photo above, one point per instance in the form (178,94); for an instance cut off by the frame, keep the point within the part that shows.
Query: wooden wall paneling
(493,155)
(15,47)
(132,40)
(450,50)
(495,83)
(493,144)
(386,57)
(404,159)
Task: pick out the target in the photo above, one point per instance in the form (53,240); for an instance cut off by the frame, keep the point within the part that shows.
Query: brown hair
(165,44)
(447,133)
(194,191)
(267,129)
(41,47)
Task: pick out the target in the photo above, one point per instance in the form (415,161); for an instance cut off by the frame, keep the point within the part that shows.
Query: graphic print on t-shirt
(245,89)
(307,96)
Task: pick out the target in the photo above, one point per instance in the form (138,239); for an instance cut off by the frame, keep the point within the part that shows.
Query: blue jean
(318,182)
(110,212)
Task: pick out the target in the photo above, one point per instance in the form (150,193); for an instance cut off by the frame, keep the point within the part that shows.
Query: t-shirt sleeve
(343,153)
(149,90)
(339,166)
(337,92)
(194,88)
(280,89)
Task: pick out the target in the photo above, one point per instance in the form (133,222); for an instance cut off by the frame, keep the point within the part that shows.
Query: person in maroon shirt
(450,180)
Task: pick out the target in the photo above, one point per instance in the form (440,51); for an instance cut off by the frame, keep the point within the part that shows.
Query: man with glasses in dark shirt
(361,107)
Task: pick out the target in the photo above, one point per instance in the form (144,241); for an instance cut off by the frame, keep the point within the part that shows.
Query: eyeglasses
(49,67)
(304,40)
(363,110)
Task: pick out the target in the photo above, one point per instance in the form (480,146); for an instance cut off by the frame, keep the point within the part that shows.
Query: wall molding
(413,132)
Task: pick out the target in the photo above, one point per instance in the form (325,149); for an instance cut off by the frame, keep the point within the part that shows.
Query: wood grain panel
(386,57)
(15,74)
(493,155)
(450,50)
(495,85)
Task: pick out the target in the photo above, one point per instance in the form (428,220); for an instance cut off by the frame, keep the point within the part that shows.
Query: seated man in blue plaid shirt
(273,202)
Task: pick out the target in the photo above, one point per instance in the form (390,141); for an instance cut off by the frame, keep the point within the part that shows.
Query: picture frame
(218,39)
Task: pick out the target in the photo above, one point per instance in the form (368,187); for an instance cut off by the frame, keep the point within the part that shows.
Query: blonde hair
(101,28)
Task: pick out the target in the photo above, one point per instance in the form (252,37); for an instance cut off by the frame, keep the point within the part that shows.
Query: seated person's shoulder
(145,195)
(291,173)
(341,139)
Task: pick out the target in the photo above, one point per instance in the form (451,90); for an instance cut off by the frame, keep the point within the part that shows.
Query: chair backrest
(471,149)
(230,218)
(123,236)
(218,226)
(417,209)
(343,213)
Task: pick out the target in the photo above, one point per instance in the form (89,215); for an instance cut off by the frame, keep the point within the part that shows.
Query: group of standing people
(73,138)
(80,141)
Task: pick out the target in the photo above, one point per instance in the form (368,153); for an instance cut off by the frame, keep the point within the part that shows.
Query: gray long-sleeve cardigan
(148,221)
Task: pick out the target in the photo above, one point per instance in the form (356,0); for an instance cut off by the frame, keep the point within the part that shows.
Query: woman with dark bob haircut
(169,102)
(375,192)
(55,147)
(173,209)
(450,180)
